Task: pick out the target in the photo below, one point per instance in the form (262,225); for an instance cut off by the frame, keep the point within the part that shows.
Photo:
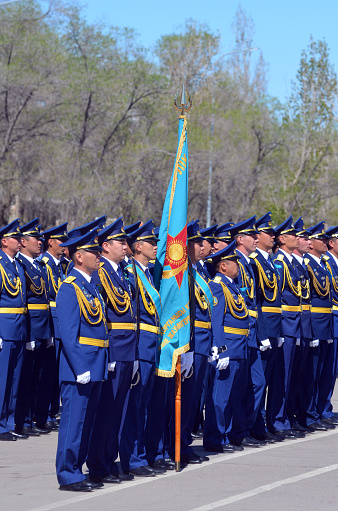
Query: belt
(277,310)
(202,324)
(150,328)
(323,310)
(237,331)
(335,307)
(38,307)
(292,308)
(306,307)
(52,304)
(94,342)
(253,314)
(122,326)
(13,310)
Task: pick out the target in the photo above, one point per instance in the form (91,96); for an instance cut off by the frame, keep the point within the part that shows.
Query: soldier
(123,355)
(205,268)
(222,236)
(36,381)
(287,241)
(321,319)
(13,327)
(83,362)
(230,328)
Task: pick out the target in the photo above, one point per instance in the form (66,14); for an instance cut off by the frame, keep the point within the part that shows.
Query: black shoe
(193,454)
(197,435)
(126,477)
(256,440)
(52,426)
(7,436)
(219,448)
(248,442)
(290,434)
(162,463)
(234,447)
(142,472)
(279,435)
(30,432)
(94,484)
(191,460)
(42,430)
(300,428)
(19,436)
(330,420)
(80,486)
(158,470)
(110,478)
(328,425)
(317,426)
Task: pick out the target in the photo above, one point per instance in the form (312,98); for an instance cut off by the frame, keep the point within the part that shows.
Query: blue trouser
(76,425)
(308,408)
(225,406)
(277,420)
(11,360)
(132,444)
(55,399)
(104,445)
(326,377)
(156,420)
(255,387)
(294,404)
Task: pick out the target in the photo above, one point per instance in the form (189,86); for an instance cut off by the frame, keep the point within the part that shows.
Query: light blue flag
(171,265)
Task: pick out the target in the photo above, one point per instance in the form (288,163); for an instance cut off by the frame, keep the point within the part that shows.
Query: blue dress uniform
(225,402)
(322,327)
(269,317)
(56,273)
(36,381)
(84,336)
(13,331)
(291,331)
(255,380)
(133,444)
(121,320)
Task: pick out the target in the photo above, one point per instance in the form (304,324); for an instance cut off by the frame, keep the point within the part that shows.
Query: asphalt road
(294,475)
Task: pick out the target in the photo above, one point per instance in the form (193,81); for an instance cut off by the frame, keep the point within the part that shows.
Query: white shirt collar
(202,263)
(288,256)
(298,258)
(242,254)
(30,259)
(85,275)
(264,253)
(142,266)
(56,261)
(229,278)
(113,264)
(334,258)
(317,259)
(10,258)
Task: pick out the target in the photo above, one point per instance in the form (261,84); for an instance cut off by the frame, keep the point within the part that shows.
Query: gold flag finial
(182,100)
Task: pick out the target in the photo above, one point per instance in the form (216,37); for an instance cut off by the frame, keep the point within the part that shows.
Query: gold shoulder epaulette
(253,255)
(45,260)
(69,280)
(325,258)
(217,279)
(280,257)
(101,264)
(306,261)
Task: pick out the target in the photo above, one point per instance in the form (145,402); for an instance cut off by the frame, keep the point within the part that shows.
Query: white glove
(314,343)
(1,343)
(30,346)
(135,368)
(214,354)
(186,363)
(280,341)
(265,345)
(83,378)
(330,341)
(297,342)
(111,366)
(223,363)
(50,342)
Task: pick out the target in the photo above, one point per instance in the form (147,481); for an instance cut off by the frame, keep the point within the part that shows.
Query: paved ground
(295,475)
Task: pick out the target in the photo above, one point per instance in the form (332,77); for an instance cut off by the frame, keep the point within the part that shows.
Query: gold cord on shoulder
(320,290)
(295,289)
(334,283)
(12,289)
(120,302)
(263,282)
(246,281)
(235,306)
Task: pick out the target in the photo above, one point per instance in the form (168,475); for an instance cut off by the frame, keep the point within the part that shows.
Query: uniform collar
(288,256)
(264,253)
(85,275)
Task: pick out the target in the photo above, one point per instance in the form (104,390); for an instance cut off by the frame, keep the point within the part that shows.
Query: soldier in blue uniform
(245,235)
(222,236)
(83,362)
(133,454)
(287,241)
(269,316)
(321,319)
(52,258)
(205,268)
(123,355)
(230,328)
(36,381)
(13,327)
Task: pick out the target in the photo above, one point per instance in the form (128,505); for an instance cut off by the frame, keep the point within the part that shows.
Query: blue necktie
(119,273)
(148,275)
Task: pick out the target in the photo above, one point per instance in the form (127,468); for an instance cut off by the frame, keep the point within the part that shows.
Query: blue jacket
(77,358)
(122,341)
(202,338)
(237,343)
(55,277)
(147,341)
(305,324)
(13,326)
(321,319)
(38,319)
(207,270)
(290,294)
(268,296)
(247,285)
(333,269)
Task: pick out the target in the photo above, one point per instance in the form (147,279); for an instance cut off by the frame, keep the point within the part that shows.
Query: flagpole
(183,103)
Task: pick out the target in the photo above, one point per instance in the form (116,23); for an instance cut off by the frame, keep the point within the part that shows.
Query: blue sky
(282,28)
